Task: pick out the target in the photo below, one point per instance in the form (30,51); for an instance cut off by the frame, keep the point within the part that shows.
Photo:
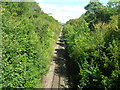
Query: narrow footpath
(57,77)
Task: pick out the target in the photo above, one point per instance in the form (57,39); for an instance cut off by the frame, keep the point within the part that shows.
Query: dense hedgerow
(28,36)
(94,54)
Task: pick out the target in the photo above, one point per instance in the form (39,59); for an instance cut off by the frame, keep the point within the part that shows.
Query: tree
(94,13)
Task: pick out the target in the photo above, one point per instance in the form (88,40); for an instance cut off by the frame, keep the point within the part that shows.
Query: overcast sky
(63,10)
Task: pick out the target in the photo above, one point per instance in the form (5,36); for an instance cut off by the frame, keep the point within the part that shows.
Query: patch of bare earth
(56,77)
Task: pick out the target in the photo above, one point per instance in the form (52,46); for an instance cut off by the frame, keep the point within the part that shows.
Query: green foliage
(95,54)
(28,39)
(97,13)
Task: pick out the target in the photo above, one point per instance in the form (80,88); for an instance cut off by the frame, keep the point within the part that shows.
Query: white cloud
(63,13)
(39,0)
(65,1)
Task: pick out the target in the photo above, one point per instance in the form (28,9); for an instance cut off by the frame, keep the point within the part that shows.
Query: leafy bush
(28,38)
(96,54)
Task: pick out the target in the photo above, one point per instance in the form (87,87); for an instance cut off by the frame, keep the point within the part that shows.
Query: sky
(64,10)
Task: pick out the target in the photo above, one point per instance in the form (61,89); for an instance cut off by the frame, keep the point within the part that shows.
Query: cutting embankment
(28,38)
(93,46)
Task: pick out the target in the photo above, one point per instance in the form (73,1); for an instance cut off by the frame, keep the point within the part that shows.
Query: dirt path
(56,77)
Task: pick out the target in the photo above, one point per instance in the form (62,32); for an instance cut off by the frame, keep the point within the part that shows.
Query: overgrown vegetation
(93,45)
(28,36)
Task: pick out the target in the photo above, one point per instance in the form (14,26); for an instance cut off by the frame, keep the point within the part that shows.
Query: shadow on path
(60,76)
